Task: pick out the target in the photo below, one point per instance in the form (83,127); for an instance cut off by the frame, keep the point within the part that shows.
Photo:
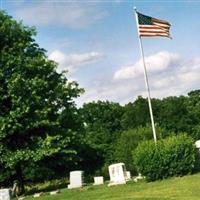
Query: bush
(129,140)
(173,156)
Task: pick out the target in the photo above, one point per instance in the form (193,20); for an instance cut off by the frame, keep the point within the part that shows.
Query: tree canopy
(37,115)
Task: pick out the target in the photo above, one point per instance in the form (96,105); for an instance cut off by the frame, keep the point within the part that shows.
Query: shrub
(129,140)
(173,156)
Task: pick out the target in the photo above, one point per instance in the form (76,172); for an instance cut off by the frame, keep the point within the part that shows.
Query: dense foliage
(129,140)
(38,116)
(102,128)
(173,156)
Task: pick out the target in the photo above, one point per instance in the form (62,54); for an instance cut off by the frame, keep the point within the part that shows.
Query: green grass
(185,188)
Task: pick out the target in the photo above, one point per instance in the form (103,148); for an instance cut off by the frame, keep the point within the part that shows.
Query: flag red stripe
(157,29)
(161,21)
(155,34)
(154,31)
(153,27)
(150,27)
(161,25)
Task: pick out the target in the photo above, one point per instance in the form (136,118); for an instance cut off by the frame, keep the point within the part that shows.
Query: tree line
(43,135)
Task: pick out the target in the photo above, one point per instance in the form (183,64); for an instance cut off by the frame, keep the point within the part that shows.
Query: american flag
(150,27)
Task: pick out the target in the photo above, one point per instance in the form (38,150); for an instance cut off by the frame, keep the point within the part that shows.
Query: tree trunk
(20,179)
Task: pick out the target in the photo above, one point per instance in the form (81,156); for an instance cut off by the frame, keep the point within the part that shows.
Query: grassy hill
(184,188)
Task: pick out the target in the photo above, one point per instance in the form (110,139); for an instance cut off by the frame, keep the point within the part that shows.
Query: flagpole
(146,78)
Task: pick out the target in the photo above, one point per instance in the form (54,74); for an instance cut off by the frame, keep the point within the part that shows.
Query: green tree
(102,126)
(136,114)
(193,108)
(174,115)
(37,108)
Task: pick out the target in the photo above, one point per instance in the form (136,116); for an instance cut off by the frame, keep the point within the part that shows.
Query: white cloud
(72,62)
(172,76)
(57,56)
(105,89)
(154,63)
(70,14)
(85,58)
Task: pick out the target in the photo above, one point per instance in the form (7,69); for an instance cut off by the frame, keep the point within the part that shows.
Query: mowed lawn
(185,188)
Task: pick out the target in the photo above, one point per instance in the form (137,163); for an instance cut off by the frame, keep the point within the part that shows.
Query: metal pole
(146,79)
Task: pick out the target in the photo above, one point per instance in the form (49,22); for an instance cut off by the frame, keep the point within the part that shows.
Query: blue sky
(96,41)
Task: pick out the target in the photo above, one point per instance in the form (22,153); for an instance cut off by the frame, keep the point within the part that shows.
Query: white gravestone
(5,194)
(197,144)
(128,175)
(98,180)
(139,177)
(76,179)
(117,174)
(38,194)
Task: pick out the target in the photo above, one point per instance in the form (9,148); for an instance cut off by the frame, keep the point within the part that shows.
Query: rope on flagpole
(146,78)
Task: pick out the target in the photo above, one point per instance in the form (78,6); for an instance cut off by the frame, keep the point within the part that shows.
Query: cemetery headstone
(197,144)
(197,159)
(5,194)
(128,175)
(117,174)
(54,192)
(98,180)
(38,194)
(76,179)
(139,177)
